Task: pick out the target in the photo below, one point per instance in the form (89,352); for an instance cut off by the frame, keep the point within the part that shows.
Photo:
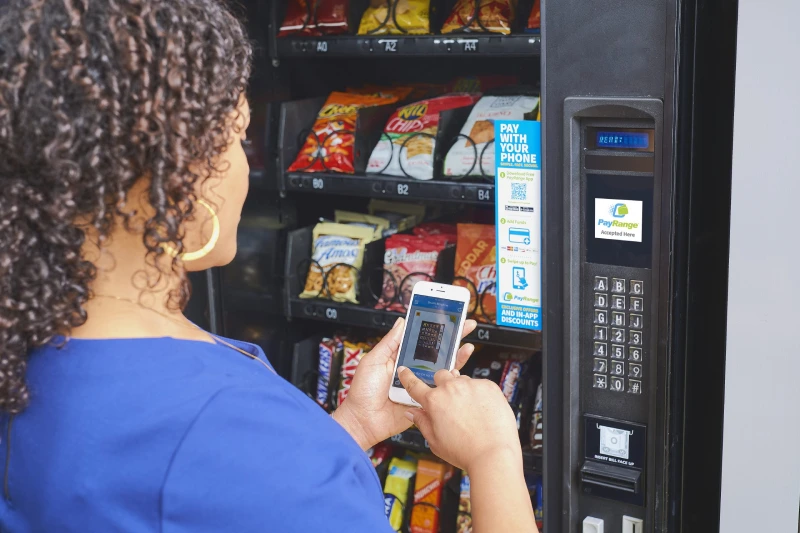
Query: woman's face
(225,192)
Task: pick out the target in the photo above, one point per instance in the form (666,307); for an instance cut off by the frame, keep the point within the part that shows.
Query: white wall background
(761,452)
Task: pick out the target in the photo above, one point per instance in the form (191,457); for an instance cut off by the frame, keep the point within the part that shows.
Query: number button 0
(618,384)
(617,302)
(600,300)
(637,287)
(601,333)
(637,321)
(601,349)
(600,317)
(617,335)
(636,338)
(600,366)
(617,319)
(617,351)
(600,283)
(634,353)
(617,368)
(618,285)
(600,382)
(637,304)
(634,386)
(635,371)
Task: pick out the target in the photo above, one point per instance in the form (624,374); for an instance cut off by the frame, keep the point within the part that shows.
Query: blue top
(178,436)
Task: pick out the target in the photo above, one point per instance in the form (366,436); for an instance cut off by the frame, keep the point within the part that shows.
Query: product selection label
(618,220)
(518,220)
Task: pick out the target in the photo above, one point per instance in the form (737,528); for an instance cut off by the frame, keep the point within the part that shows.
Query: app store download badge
(618,220)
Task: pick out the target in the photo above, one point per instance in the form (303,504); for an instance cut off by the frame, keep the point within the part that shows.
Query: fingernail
(401,369)
(409,415)
(456,373)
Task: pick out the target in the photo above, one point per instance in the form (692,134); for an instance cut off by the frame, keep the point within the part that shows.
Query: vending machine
(611,283)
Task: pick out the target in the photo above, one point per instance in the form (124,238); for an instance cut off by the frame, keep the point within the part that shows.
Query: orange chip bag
(535,19)
(396,17)
(476,256)
(493,16)
(329,146)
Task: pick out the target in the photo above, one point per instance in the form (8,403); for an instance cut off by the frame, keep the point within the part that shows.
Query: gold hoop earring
(205,250)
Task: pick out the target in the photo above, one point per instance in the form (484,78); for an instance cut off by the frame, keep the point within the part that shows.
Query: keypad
(618,335)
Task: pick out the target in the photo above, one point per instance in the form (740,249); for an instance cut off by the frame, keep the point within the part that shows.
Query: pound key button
(634,386)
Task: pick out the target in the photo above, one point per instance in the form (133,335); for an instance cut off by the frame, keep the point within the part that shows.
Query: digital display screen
(630,140)
(430,336)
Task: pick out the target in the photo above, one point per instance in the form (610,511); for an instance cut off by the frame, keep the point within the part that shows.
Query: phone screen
(430,336)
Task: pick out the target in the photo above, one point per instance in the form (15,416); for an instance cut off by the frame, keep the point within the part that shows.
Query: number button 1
(601,333)
(600,316)
(600,283)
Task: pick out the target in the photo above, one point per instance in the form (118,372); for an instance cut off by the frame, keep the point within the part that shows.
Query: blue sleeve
(258,460)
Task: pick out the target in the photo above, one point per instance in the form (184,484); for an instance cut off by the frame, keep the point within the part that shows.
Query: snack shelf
(354,315)
(413,440)
(384,46)
(390,187)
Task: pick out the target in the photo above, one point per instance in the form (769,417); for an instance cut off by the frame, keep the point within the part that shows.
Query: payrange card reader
(612,161)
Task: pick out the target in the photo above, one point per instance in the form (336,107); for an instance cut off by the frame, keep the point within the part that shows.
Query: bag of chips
(474,155)
(395,491)
(401,215)
(535,19)
(379,225)
(329,146)
(337,258)
(494,16)
(407,146)
(315,17)
(429,229)
(396,17)
(407,260)
(476,257)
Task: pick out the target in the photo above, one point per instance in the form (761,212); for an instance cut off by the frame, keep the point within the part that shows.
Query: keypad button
(637,304)
(617,351)
(601,349)
(637,287)
(600,283)
(637,321)
(617,335)
(617,318)
(635,371)
(634,353)
(617,384)
(600,365)
(600,317)
(600,300)
(618,285)
(617,302)
(617,368)
(601,333)
(600,381)
(634,386)
(636,338)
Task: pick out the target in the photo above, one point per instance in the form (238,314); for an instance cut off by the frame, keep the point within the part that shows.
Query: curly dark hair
(94,95)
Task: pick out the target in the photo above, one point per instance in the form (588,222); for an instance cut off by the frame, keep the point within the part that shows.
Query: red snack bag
(407,260)
(535,19)
(476,256)
(494,16)
(379,454)
(428,229)
(315,17)
(329,146)
(353,352)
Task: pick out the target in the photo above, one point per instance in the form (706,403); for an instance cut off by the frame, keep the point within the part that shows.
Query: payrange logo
(618,220)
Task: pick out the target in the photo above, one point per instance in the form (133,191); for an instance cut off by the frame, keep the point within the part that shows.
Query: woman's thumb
(422,420)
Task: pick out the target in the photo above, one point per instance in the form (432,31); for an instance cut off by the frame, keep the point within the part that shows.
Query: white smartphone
(432,334)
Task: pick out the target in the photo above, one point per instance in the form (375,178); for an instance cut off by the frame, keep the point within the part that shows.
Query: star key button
(600,381)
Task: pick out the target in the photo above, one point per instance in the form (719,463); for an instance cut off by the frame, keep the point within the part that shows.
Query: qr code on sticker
(519,191)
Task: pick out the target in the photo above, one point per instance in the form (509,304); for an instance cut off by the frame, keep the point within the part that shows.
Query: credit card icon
(519,235)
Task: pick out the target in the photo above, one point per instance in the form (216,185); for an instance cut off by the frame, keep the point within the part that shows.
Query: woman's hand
(367,413)
(463,410)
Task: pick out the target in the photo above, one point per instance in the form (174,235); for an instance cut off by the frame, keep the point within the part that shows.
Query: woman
(121,168)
